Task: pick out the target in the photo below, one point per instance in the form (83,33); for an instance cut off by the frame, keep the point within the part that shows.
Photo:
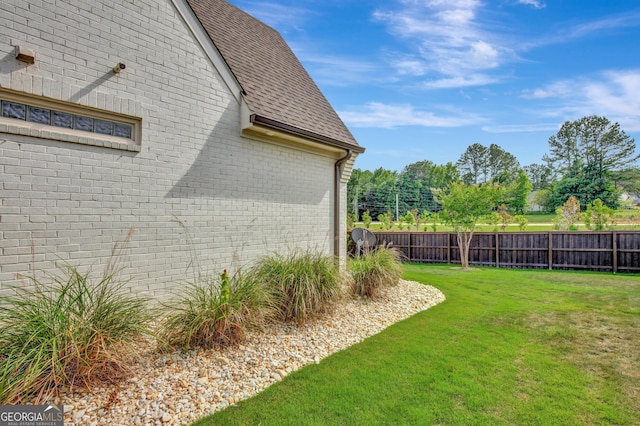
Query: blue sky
(423,79)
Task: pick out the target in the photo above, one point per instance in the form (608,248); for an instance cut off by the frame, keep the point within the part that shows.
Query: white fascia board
(245,115)
(208,47)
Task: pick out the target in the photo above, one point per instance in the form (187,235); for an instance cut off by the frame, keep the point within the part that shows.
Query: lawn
(507,347)
(625,220)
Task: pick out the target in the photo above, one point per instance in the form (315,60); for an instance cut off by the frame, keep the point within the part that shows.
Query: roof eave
(305,134)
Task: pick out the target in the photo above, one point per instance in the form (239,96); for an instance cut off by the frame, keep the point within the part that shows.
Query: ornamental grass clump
(68,331)
(304,283)
(215,311)
(375,270)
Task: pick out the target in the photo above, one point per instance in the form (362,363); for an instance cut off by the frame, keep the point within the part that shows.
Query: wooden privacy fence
(615,251)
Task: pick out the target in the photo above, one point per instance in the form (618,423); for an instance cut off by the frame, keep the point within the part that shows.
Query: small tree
(435,217)
(389,219)
(493,219)
(409,219)
(386,220)
(424,218)
(351,220)
(417,218)
(366,219)
(519,193)
(463,206)
(568,215)
(598,215)
(522,222)
(504,215)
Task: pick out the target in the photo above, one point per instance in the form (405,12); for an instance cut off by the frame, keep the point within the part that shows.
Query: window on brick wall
(51,119)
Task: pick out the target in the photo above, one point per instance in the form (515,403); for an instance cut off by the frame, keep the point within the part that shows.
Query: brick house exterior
(210,141)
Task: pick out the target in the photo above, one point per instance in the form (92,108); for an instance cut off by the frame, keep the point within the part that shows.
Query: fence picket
(616,251)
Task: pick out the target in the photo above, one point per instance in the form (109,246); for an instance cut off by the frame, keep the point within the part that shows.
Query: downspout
(336,204)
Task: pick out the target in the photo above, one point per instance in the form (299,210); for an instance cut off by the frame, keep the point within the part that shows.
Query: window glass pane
(103,127)
(39,115)
(84,123)
(122,130)
(62,119)
(14,110)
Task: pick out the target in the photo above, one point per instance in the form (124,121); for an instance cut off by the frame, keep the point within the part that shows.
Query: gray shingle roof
(278,90)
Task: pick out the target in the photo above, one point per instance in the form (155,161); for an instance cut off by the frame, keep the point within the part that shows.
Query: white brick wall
(196,186)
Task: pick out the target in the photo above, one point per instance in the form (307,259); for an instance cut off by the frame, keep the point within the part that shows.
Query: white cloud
(459,82)
(331,70)
(572,31)
(453,39)
(535,3)
(379,115)
(410,67)
(484,55)
(456,16)
(538,94)
(613,94)
(449,42)
(557,89)
(611,22)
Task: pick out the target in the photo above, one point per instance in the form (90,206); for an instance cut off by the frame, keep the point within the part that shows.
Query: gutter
(275,125)
(336,204)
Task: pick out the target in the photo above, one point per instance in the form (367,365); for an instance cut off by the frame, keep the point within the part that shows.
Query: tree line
(590,158)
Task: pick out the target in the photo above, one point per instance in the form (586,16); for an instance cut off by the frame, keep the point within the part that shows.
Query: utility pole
(355,205)
(397,211)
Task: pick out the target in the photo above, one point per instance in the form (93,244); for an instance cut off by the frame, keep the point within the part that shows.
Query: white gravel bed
(180,387)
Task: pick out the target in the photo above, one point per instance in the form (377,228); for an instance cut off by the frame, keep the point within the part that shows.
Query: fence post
(550,254)
(520,249)
(614,248)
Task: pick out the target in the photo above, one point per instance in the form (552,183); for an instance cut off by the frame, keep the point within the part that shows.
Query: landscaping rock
(180,387)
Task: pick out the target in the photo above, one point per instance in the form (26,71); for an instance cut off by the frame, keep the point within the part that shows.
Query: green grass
(540,217)
(627,220)
(507,347)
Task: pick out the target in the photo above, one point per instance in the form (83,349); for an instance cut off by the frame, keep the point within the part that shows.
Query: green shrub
(503,216)
(522,222)
(435,218)
(304,283)
(352,218)
(493,219)
(214,311)
(68,331)
(409,219)
(375,270)
(598,215)
(568,215)
(366,219)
